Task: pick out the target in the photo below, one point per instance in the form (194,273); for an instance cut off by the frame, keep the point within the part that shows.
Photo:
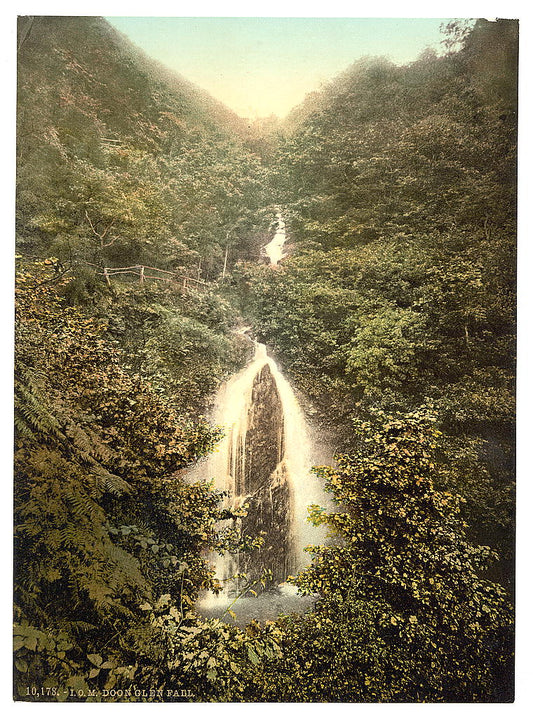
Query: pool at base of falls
(266,606)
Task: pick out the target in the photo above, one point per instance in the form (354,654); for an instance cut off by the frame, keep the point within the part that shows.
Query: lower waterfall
(264,461)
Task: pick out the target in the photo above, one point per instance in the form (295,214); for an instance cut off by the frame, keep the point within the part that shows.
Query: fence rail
(139,270)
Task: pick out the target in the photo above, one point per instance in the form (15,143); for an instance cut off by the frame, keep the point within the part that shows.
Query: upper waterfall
(274,250)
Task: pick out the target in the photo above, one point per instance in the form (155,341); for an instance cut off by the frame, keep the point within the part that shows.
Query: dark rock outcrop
(261,478)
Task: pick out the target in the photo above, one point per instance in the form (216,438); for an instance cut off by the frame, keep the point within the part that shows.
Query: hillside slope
(104,74)
(400,189)
(121,160)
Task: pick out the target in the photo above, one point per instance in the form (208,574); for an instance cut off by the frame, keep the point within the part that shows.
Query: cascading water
(264,461)
(274,250)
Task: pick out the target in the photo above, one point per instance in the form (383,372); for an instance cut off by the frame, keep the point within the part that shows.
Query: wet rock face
(264,435)
(264,480)
(270,512)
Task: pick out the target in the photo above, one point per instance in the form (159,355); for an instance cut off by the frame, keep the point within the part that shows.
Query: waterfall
(274,249)
(264,461)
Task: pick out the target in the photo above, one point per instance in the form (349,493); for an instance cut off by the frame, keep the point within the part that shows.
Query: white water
(231,409)
(274,249)
(297,455)
(231,412)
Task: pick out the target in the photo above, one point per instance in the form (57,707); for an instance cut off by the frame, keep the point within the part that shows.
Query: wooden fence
(143,272)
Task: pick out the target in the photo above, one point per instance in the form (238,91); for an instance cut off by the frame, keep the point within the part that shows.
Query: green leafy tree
(103,519)
(404,613)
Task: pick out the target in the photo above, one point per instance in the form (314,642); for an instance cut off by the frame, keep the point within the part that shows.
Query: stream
(274,250)
(263,463)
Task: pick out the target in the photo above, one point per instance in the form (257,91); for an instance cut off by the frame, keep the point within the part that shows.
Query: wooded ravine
(381,345)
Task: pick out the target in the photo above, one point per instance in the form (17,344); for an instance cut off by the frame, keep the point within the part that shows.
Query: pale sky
(263,66)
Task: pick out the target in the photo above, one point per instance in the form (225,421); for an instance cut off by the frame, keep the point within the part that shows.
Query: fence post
(106,275)
(142,275)
(225,262)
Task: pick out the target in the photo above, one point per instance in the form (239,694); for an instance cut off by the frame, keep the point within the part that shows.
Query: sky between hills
(264,66)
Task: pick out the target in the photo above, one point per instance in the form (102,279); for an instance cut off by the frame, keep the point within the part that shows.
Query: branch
(106,230)
(90,223)
(101,235)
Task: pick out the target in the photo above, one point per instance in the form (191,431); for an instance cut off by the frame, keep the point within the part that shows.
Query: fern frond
(88,444)
(31,412)
(110,483)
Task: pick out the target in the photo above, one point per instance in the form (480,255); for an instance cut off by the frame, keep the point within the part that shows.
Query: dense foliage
(126,164)
(402,615)
(394,315)
(401,205)
(110,538)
